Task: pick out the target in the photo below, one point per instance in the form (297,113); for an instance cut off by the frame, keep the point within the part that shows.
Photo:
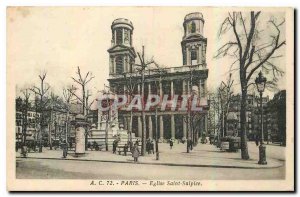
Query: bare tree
(41,92)
(68,94)
(141,68)
(212,113)
(83,81)
(252,49)
(161,72)
(25,108)
(53,102)
(130,83)
(225,95)
(109,113)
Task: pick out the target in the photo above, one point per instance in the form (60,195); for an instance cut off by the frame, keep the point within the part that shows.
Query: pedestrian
(65,149)
(171,143)
(135,152)
(34,146)
(137,141)
(24,151)
(125,149)
(17,147)
(148,146)
(256,140)
(130,145)
(114,146)
(191,144)
(152,146)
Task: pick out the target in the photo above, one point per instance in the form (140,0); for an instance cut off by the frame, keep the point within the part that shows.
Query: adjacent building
(274,116)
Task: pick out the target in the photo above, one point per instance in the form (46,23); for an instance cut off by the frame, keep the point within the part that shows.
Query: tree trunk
(244,147)
(67,125)
(106,125)
(83,101)
(130,128)
(41,121)
(24,125)
(225,124)
(143,117)
(156,135)
(50,130)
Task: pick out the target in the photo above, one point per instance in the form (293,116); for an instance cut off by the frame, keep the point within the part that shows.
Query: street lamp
(260,82)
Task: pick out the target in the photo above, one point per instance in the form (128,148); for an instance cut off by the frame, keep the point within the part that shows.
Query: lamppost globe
(260,82)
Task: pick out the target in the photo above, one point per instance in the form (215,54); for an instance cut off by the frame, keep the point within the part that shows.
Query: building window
(119,33)
(194,57)
(126,36)
(193,27)
(119,65)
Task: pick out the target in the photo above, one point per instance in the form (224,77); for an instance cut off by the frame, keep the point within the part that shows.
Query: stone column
(183,87)
(99,119)
(184,127)
(188,87)
(139,126)
(149,88)
(115,32)
(150,127)
(205,125)
(123,37)
(199,54)
(139,89)
(160,90)
(129,124)
(161,128)
(124,64)
(172,88)
(114,64)
(187,56)
(172,126)
(200,88)
(205,88)
(125,122)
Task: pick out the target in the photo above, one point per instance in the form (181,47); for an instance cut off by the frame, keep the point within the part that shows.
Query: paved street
(47,169)
(121,167)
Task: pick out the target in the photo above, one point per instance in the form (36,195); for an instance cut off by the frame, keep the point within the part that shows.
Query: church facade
(191,76)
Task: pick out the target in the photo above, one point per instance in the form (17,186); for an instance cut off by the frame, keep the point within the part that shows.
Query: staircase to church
(98,136)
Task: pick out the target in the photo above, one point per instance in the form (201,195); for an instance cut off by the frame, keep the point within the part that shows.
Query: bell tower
(121,53)
(193,43)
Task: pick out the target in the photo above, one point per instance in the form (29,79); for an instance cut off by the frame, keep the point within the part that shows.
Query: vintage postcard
(150,99)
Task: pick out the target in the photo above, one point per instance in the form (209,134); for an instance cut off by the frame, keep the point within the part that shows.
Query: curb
(150,163)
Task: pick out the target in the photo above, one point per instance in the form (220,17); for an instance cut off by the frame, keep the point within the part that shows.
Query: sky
(58,39)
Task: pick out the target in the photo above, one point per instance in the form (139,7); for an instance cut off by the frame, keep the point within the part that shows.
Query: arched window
(194,57)
(119,38)
(119,65)
(193,28)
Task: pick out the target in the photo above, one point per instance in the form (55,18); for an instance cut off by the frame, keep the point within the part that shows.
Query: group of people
(150,146)
(134,149)
(189,143)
